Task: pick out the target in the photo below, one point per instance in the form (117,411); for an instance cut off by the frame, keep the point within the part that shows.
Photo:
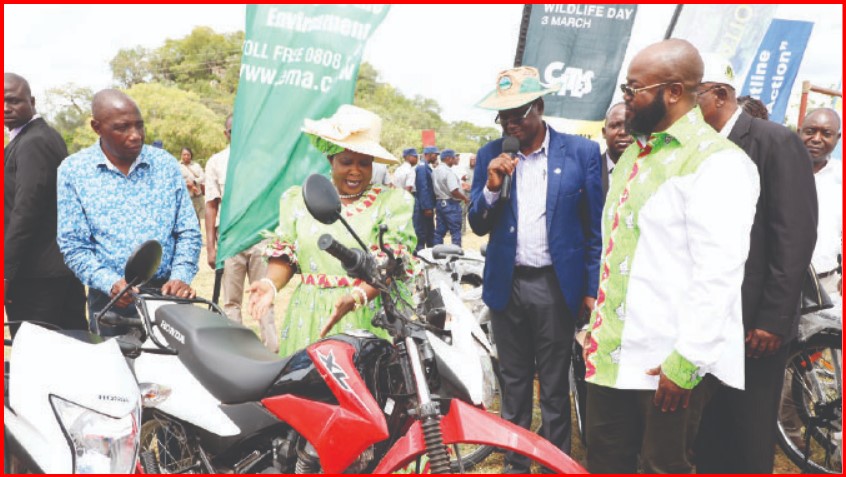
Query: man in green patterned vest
(667,325)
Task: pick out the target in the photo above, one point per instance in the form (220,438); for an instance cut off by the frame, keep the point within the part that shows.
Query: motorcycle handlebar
(355,262)
(113,319)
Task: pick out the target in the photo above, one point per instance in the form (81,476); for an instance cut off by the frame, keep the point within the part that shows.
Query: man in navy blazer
(542,263)
(424,204)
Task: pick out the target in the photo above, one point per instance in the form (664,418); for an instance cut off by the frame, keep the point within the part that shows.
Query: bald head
(662,80)
(117,120)
(18,103)
(107,101)
(672,60)
(826,115)
(820,131)
(12,79)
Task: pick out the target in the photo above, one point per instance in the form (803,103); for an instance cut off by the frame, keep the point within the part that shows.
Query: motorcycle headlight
(100,444)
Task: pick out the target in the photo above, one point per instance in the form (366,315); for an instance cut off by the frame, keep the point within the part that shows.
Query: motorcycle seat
(226,357)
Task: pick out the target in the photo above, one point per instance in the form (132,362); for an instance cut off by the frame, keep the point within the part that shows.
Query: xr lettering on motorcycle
(334,369)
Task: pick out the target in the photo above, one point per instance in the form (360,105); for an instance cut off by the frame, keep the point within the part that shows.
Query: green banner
(299,61)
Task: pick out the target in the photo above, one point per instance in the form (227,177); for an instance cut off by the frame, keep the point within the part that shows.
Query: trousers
(448,219)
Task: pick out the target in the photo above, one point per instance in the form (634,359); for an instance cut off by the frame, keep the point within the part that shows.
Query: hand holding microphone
(502,167)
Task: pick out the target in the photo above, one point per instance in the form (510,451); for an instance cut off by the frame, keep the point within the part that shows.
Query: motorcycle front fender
(467,424)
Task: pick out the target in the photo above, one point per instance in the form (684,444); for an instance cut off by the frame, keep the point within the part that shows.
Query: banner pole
(524,29)
(673,21)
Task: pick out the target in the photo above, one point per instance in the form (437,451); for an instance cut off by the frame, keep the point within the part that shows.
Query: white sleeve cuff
(490,197)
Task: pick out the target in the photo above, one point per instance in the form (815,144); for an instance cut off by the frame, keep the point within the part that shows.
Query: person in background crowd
(424,204)
(404,174)
(195,180)
(820,131)
(738,429)
(38,286)
(753,107)
(668,321)
(380,175)
(448,199)
(325,295)
(117,194)
(249,264)
(617,139)
(542,263)
(466,185)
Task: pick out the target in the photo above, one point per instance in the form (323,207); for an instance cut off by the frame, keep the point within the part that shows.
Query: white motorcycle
(71,401)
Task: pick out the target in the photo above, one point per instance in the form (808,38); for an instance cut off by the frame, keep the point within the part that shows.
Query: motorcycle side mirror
(321,199)
(323,203)
(143,263)
(140,268)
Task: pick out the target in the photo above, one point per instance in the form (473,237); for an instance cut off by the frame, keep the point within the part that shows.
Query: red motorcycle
(349,403)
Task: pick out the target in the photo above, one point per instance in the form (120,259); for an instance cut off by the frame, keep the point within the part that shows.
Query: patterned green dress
(323,280)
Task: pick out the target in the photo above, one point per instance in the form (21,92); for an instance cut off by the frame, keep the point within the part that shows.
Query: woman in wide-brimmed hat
(350,140)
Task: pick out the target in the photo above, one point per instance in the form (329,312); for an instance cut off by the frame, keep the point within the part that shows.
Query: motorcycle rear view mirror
(143,263)
(324,204)
(321,199)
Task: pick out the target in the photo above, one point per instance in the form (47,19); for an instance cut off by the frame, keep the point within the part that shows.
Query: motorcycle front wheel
(810,426)
(165,447)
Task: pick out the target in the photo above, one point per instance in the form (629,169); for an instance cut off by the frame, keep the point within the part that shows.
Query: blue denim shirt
(104,214)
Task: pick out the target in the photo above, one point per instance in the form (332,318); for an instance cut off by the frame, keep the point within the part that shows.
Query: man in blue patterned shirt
(117,194)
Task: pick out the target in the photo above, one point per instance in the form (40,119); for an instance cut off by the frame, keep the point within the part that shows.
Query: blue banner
(774,67)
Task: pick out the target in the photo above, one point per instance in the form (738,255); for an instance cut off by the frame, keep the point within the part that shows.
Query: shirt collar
(726,130)
(684,130)
(103,161)
(544,147)
(14,132)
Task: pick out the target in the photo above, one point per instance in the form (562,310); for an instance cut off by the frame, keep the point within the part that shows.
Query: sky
(450,53)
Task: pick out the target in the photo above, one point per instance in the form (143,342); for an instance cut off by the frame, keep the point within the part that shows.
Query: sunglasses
(518,119)
(628,90)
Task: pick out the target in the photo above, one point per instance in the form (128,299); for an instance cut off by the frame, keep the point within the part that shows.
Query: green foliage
(204,62)
(404,118)
(71,108)
(179,119)
(186,88)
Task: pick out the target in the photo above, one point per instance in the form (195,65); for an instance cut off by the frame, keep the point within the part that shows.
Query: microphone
(510,145)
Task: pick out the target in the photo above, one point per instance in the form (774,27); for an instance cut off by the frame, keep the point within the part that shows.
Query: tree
(131,66)
(70,114)
(204,62)
(180,119)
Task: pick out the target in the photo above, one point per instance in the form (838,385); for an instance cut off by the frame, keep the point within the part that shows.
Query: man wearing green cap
(542,264)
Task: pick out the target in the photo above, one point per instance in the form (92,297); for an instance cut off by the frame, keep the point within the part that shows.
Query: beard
(645,120)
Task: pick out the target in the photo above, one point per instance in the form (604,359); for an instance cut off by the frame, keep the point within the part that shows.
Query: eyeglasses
(712,88)
(515,120)
(628,90)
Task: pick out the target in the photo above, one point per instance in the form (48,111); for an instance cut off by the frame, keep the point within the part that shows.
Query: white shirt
(830,225)
(404,177)
(380,174)
(726,130)
(216,177)
(532,240)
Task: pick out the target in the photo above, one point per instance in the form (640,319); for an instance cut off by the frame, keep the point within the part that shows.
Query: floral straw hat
(352,128)
(516,87)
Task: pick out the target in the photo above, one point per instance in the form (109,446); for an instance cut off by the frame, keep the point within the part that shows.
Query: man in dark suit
(37,284)
(424,203)
(738,429)
(542,265)
(617,139)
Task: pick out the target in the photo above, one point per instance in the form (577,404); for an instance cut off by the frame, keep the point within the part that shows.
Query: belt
(449,200)
(528,272)
(828,273)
